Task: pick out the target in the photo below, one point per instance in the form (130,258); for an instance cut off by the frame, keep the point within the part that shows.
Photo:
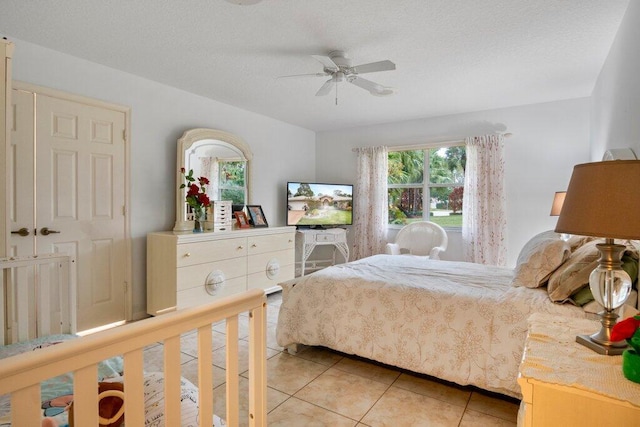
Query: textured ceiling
(452,56)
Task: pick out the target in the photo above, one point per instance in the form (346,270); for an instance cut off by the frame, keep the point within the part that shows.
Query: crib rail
(21,375)
(37,298)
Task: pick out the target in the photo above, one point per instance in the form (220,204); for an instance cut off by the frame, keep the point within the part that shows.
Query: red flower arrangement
(196,193)
(628,329)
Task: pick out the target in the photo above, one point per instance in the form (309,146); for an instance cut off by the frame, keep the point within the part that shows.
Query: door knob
(45,231)
(23,232)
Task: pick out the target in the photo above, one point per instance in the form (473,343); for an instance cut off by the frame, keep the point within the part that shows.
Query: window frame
(426,184)
(240,188)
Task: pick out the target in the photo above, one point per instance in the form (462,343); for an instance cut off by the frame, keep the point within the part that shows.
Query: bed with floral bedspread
(457,321)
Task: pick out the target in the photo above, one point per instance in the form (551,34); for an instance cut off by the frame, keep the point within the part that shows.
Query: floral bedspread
(457,321)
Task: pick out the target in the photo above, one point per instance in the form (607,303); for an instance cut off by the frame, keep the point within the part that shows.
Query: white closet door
(21,208)
(80,201)
(20,292)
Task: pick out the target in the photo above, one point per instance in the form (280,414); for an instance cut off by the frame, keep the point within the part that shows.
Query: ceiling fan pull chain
(336,94)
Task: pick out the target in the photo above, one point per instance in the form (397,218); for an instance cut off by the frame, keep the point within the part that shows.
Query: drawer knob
(241,247)
(273,268)
(188,254)
(214,282)
(254,245)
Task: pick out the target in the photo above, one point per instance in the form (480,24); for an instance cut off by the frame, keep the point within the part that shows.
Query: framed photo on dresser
(257,216)
(241,219)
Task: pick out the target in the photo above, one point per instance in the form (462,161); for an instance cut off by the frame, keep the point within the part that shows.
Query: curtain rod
(425,145)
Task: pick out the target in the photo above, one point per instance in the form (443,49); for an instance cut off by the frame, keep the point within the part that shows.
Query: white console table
(308,239)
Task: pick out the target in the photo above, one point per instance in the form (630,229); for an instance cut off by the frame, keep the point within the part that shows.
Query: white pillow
(540,257)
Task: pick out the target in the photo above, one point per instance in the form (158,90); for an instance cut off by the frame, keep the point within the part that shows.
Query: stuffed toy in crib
(110,407)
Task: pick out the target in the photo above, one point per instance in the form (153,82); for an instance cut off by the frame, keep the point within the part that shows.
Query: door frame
(55,93)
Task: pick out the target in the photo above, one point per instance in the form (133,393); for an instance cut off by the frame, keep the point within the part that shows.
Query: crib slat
(68,308)
(133,388)
(172,381)
(85,396)
(25,325)
(25,406)
(205,375)
(43,298)
(233,396)
(258,367)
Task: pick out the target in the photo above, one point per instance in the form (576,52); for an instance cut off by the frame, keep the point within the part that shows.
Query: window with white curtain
(427,184)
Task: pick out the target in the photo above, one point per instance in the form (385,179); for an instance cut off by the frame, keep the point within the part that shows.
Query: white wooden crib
(38,297)
(21,375)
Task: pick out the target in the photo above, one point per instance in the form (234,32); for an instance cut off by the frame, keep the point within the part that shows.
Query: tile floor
(320,387)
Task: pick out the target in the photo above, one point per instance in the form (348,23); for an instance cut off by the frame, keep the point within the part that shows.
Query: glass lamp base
(607,350)
(610,286)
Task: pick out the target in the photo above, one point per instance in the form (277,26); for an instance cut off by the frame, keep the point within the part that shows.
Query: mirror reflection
(221,157)
(225,167)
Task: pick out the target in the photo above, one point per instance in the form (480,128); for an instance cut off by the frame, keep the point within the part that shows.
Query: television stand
(307,240)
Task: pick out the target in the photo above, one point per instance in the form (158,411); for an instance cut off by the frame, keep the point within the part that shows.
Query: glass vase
(199,217)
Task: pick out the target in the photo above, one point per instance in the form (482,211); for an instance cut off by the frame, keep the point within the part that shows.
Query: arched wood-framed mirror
(222,157)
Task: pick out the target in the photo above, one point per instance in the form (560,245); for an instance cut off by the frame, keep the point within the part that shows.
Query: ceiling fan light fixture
(338,66)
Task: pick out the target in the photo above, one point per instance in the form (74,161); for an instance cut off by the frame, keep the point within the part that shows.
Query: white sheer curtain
(484,222)
(371,202)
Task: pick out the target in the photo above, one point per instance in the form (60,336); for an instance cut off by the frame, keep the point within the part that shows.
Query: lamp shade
(603,200)
(558,201)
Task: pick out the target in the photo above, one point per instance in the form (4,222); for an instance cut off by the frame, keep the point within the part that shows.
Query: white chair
(419,238)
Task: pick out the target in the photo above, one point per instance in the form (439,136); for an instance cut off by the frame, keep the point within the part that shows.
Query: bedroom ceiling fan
(338,66)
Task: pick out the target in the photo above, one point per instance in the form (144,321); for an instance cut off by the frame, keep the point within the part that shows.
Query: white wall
(615,102)
(160,114)
(548,139)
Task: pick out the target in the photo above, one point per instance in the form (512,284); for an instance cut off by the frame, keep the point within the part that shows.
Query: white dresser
(187,269)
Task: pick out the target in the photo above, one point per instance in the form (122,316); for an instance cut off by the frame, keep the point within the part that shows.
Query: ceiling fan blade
(326,62)
(303,75)
(374,66)
(366,84)
(326,87)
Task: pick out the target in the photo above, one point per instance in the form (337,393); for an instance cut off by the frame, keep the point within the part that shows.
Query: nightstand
(565,384)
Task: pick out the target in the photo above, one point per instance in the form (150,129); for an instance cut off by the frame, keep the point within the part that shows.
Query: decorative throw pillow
(629,264)
(567,282)
(539,257)
(576,241)
(573,275)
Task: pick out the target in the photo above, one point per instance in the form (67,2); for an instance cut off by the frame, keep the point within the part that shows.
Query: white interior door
(80,201)
(21,208)
(21,291)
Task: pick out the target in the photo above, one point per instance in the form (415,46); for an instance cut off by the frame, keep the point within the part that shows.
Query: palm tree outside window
(434,175)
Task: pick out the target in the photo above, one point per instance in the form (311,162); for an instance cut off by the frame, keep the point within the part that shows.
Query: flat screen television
(314,204)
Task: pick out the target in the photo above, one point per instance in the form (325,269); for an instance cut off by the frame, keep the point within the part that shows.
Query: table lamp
(556,208)
(558,201)
(603,200)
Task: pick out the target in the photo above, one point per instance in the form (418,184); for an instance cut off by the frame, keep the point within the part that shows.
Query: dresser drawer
(259,263)
(199,295)
(195,275)
(211,250)
(325,237)
(270,243)
(263,281)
